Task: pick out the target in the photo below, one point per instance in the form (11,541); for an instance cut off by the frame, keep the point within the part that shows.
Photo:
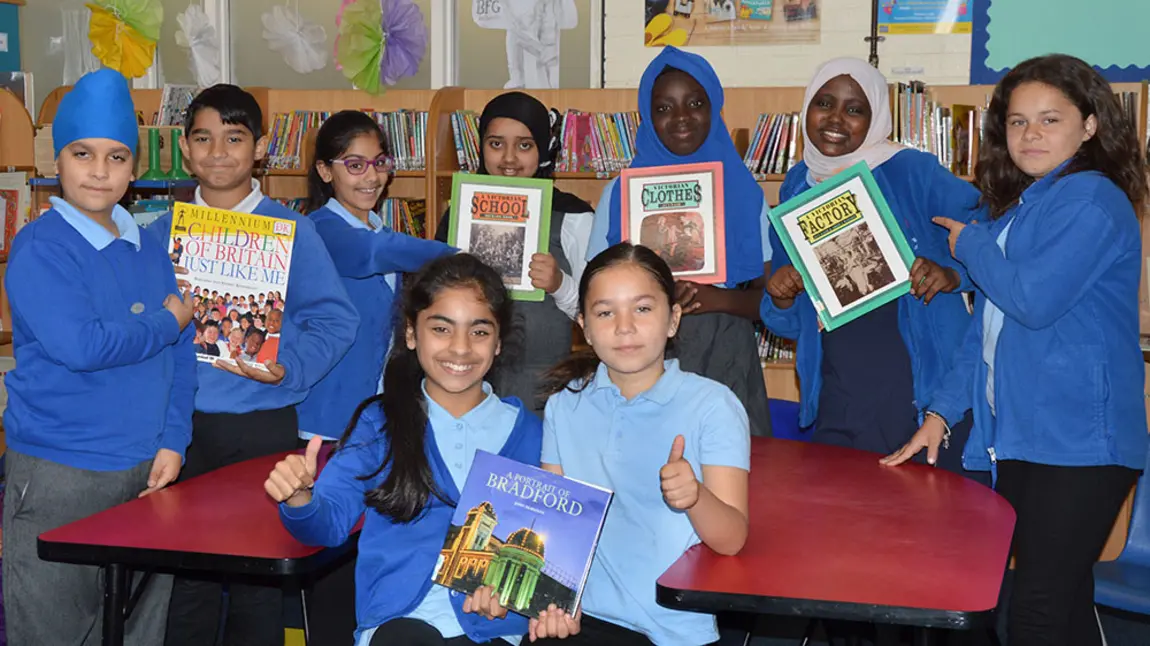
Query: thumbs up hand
(293,477)
(680,487)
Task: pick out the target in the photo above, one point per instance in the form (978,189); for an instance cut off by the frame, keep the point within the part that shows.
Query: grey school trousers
(60,604)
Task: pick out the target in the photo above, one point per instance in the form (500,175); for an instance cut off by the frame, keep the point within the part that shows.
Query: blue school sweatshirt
(104,377)
(364,258)
(397,560)
(1068,372)
(917,188)
(319,325)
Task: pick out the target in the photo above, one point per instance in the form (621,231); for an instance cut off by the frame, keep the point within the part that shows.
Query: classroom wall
(257,65)
(937,59)
(483,52)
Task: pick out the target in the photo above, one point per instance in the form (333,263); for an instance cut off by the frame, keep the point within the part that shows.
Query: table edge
(714,602)
(145,558)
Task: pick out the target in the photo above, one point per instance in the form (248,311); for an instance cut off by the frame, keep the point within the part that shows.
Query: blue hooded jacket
(1068,373)
(917,188)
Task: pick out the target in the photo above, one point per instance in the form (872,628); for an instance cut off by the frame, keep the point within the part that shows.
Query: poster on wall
(1112,39)
(532,28)
(904,17)
(731,22)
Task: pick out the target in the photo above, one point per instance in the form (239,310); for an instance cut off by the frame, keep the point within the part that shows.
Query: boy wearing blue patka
(100,403)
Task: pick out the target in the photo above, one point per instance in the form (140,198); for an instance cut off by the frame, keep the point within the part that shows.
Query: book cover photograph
(527,533)
(503,221)
(677,211)
(846,245)
(238,265)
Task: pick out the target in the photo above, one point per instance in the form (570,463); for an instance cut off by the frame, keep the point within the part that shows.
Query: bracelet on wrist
(945,428)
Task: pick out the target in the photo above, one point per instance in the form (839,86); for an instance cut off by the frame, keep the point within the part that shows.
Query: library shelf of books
(432,135)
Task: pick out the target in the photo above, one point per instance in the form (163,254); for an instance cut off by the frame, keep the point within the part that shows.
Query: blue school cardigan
(917,188)
(1068,372)
(363,259)
(396,560)
(319,325)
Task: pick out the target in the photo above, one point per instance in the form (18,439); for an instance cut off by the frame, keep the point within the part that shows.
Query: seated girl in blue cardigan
(407,452)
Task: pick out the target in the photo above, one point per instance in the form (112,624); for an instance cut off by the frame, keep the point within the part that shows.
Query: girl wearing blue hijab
(680,105)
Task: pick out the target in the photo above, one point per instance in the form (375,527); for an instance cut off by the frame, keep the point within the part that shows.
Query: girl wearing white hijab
(860,383)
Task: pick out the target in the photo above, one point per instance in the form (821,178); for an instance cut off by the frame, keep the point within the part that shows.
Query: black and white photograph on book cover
(501,246)
(854,264)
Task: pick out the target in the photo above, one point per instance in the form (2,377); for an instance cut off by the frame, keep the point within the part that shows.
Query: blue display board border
(980,74)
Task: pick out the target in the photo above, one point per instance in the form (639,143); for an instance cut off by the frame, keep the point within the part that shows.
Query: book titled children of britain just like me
(238,264)
(527,533)
(846,245)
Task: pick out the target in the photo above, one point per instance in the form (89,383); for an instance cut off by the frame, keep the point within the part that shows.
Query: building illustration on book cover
(238,265)
(527,533)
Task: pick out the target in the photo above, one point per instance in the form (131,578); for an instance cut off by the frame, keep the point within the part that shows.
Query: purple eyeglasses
(358,165)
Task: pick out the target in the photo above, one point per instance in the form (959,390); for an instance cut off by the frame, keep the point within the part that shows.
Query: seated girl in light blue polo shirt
(672,445)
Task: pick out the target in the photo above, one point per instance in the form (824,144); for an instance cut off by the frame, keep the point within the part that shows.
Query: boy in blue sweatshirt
(243,412)
(100,403)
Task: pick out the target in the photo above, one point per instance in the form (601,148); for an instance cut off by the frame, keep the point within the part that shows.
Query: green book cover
(503,221)
(845,243)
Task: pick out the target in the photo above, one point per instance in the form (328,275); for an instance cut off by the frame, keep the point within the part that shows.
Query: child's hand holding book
(784,285)
(273,375)
(181,307)
(554,622)
(291,480)
(484,602)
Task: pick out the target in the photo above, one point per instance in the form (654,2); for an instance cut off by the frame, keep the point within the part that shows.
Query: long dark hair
(409,484)
(333,140)
(1114,149)
(576,371)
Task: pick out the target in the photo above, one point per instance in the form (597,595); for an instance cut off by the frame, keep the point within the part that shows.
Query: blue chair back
(1138,536)
(785,420)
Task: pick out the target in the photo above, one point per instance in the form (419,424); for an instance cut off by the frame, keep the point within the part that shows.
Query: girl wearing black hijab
(519,137)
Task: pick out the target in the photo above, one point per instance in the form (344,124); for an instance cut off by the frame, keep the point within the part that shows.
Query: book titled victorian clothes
(845,243)
(527,533)
(677,211)
(503,221)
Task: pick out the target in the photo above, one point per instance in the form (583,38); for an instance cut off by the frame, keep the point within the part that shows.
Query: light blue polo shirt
(96,235)
(597,436)
(992,320)
(486,427)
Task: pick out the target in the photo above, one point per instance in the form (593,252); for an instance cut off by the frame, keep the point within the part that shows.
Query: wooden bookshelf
(741,112)
(287,184)
(17,134)
(146,102)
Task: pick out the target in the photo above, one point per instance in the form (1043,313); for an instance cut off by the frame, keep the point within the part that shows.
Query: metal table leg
(115,591)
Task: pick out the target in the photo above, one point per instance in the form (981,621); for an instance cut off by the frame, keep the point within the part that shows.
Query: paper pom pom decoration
(380,42)
(198,35)
(124,34)
(302,43)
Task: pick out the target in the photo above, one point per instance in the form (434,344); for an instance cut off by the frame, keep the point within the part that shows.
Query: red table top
(834,534)
(222,521)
